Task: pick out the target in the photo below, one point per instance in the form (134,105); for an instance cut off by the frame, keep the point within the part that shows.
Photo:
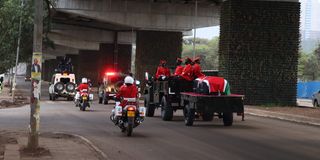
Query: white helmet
(84,80)
(128,80)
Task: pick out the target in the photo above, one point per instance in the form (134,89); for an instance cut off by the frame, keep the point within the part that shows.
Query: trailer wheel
(227,119)
(149,108)
(189,116)
(166,110)
(207,116)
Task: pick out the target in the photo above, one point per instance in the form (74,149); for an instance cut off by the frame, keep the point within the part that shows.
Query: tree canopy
(309,65)
(206,49)
(10,12)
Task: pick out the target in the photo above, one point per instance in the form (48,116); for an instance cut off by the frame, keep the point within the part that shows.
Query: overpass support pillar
(259,43)
(118,59)
(153,46)
(88,65)
(49,67)
(44,74)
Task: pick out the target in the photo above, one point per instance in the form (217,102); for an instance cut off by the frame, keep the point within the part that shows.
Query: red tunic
(162,71)
(197,71)
(82,87)
(216,84)
(178,70)
(187,73)
(127,91)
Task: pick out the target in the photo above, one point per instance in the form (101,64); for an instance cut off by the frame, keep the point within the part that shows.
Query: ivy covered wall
(153,46)
(259,42)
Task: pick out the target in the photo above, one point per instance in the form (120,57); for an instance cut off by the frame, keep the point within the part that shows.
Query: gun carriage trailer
(209,105)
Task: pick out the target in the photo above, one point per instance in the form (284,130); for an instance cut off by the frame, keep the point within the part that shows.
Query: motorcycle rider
(127,90)
(163,71)
(83,87)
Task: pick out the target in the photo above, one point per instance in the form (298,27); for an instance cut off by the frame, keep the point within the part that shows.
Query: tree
(206,49)
(309,65)
(10,12)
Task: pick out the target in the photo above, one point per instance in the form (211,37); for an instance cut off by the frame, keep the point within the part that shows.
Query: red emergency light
(110,73)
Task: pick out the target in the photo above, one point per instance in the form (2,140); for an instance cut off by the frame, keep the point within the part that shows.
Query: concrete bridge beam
(91,34)
(144,15)
(79,44)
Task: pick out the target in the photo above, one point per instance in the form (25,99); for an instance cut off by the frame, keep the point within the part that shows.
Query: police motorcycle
(83,99)
(127,114)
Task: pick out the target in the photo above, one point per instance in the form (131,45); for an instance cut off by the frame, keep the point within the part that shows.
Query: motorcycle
(129,116)
(83,99)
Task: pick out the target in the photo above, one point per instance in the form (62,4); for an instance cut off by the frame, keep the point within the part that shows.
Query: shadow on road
(221,126)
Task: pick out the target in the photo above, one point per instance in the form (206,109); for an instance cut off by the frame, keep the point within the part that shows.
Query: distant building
(310,19)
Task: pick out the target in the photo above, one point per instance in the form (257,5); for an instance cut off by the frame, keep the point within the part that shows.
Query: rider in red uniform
(127,90)
(163,72)
(83,85)
(179,67)
(82,88)
(197,68)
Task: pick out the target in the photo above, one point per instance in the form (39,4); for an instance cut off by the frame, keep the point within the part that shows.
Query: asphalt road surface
(255,138)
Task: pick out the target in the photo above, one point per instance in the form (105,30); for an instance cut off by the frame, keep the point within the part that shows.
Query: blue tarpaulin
(307,89)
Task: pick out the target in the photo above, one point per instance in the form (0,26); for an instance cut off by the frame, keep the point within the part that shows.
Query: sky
(207,32)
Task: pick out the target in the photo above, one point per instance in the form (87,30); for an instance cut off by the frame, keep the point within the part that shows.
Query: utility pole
(33,139)
(115,51)
(194,27)
(17,56)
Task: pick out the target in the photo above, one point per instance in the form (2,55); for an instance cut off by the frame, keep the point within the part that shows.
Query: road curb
(100,153)
(284,119)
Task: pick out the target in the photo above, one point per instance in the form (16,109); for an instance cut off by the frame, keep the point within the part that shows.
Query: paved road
(255,138)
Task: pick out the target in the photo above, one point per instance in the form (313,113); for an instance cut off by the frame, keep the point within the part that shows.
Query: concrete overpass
(259,39)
